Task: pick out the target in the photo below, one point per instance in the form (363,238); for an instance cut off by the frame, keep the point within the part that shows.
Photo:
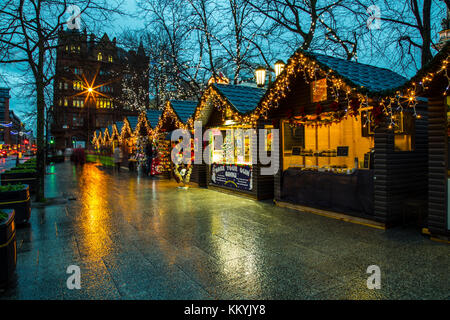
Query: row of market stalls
(342,139)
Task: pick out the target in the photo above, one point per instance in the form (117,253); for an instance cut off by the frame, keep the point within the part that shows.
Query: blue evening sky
(13,73)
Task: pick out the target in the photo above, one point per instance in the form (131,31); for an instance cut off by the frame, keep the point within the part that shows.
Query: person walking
(149,156)
(117,158)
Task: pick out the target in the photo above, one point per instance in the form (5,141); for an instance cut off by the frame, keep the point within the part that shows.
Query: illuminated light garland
(169,113)
(115,133)
(143,121)
(301,63)
(126,129)
(106,137)
(212,95)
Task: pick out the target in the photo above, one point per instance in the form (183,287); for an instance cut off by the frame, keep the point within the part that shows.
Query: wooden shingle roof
(243,98)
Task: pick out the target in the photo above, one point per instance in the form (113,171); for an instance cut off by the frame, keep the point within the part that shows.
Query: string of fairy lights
(357,100)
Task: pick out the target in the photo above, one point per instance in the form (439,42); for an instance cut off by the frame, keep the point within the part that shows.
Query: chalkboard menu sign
(293,136)
(342,151)
(232,176)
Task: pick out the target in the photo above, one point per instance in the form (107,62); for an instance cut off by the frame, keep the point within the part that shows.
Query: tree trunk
(41,144)
(426,33)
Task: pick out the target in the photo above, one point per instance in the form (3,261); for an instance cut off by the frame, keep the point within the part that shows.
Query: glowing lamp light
(279,67)
(90,89)
(260,74)
(229,122)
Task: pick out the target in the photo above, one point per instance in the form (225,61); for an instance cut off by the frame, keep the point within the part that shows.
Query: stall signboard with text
(232,176)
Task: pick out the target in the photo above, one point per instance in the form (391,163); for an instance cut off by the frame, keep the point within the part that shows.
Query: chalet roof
(184,109)
(4,94)
(133,120)
(372,78)
(119,125)
(110,127)
(243,98)
(432,67)
(153,117)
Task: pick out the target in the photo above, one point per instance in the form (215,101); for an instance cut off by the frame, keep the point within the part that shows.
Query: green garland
(12,187)
(3,216)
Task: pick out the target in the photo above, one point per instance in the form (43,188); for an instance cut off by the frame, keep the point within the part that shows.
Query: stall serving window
(231,158)
(338,147)
(233,148)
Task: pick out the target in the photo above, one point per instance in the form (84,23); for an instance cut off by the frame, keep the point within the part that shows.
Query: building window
(60,86)
(66,103)
(78,85)
(99,56)
(77,121)
(78,103)
(110,59)
(66,86)
(103,103)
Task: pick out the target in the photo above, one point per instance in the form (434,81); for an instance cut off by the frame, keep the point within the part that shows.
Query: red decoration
(319,109)
(354,105)
(334,106)
(301,111)
(377,113)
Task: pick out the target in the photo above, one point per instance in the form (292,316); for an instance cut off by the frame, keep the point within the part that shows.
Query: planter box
(19,201)
(8,249)
(19,178)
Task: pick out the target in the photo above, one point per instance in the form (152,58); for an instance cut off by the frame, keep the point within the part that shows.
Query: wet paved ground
(137,238)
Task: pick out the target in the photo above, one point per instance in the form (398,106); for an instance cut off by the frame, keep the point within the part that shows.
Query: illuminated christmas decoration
(220,78)
(115,133)
(169,114)
(143,123)
(126,132)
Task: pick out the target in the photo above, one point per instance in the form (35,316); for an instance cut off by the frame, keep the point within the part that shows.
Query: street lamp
(260,73)
(279,67)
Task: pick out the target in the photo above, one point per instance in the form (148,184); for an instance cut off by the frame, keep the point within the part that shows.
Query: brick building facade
(96,84)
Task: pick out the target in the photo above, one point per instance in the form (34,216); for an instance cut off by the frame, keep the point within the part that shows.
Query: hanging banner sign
(232,176)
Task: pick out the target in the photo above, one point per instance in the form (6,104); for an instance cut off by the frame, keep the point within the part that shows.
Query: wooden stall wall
(438,164)
(399,175)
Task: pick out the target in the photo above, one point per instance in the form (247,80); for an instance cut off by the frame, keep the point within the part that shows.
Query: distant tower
(444,35)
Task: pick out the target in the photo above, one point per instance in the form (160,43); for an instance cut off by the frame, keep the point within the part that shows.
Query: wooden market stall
(174,116)
(347,147)
(234,162)
(127,134)
(116,130)
(105,137)
(433,83)
(97,139)
(153,117)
